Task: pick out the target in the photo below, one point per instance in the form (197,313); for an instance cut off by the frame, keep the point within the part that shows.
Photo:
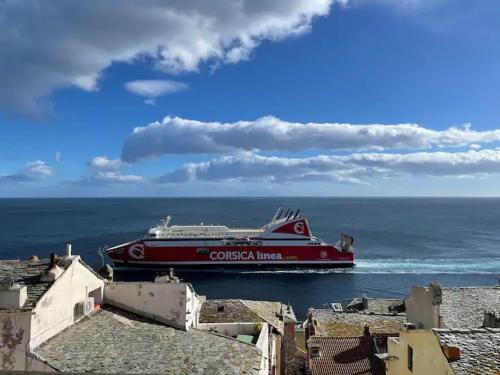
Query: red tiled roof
(345,356)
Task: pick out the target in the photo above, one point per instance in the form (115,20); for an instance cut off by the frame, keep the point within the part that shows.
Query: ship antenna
(286,213)
(277,214)
(296,214)
(289,215)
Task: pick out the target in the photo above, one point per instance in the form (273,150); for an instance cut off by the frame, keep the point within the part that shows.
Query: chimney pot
(68,249)
(452,353)
(366,330)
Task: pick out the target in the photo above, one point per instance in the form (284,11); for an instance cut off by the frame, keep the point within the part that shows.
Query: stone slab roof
(346,356)
(227,311)
(465,307)
(245,311)
(27,273)
(479,349)
(334,324)
(115,341)
(375,305)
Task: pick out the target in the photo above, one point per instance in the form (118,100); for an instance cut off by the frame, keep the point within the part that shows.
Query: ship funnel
(277,214)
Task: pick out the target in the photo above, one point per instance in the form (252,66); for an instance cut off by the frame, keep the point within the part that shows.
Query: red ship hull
(285,242)
(144,253)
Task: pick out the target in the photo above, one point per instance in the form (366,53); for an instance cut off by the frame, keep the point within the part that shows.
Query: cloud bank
(105,171)
(32,171)
(355,168)
(52,44)
(175,135)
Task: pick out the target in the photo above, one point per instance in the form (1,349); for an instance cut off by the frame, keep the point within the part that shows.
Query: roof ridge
(472,287)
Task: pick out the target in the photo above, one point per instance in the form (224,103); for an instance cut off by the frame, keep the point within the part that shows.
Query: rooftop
(478,349)
(238,311)
(115,341)
(465,307)
(334,324)
(347,355)
(28,273)
(375,305)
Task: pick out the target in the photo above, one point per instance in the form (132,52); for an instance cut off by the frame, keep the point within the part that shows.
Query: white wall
(14,337)
(174,304)
(263,344)
(55,310)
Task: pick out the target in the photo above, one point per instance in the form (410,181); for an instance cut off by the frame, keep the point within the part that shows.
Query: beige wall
(33,363)
(55,310)
(173,304)
(421,308)
(428,358)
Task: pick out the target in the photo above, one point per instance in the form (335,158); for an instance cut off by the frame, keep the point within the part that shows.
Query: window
(410,358)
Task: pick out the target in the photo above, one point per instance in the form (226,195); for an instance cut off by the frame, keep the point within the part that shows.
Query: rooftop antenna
(296,214)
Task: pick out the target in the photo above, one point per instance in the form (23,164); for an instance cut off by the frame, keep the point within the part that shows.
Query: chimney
(366,330)
(53,272)
(452,353)
(314,350)
(491,320)
(437,293)
(68,256)
(364,299)
(12,295)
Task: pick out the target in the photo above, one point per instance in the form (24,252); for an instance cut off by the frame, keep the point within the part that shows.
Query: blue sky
(366,98)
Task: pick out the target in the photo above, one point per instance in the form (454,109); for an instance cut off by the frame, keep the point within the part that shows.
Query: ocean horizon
(399,242)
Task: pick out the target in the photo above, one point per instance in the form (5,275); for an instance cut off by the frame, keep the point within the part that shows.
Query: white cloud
(58,156)
(353,168)
(154,88)
(104,171)
(49,44)
(102,163)
(32,171)
(175,135)
(107,178)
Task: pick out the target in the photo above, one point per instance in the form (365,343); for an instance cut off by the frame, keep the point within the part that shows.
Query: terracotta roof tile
(345,356)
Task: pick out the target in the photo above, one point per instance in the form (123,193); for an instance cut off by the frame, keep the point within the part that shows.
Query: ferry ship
(285,242)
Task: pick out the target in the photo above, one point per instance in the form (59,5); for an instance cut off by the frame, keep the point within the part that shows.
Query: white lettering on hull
(243,255)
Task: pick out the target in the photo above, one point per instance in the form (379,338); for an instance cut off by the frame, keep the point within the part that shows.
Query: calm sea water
(399,241)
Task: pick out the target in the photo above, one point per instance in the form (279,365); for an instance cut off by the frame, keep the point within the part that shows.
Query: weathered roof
(347,355)
(115,341)
(227,311)
(375,305)
(334,324)
(244,311)
(27,273)
(272,311)
(465,307)
(479,349)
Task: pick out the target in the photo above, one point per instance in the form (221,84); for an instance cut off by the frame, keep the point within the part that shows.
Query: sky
(249,98)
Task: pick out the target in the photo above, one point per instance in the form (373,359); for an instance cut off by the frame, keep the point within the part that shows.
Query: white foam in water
(413,266)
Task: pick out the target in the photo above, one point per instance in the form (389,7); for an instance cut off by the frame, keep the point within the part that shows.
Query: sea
(400,242)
